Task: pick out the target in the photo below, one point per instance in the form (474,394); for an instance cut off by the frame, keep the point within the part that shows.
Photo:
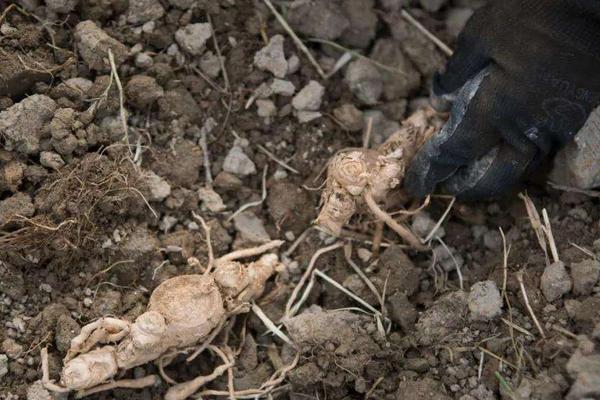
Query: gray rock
(52,160)
(420,50)
(66,329)
(350,116)
(192,38)
(309,98)
(282,87)
(307,116)
(432,5)
(362,23)
(448,314)
(323,19)
(271,57)
(485,302)
(382,127)
(210,64)
(423,224)
(142,91)
(492,239)
(182,4)
(37,391)
(250,228)
(143,60)
(3,365)
(555,281)
(578,163)
(12,349)
(237,162)
(211,199)
(20,203)
(265,108)
(62,6)
(141,11)
(293,64)
(93,45)
(365,81)
(158,187)
(21,125)
(456,20)
(402,311)
(585,274)
(584,369)
(399,84)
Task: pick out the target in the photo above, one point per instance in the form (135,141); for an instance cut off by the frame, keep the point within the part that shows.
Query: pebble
(50,159)
(307,116)
(210,64)
(492,239)
(323,19)
(585,274)
(88,302)
(93,45)
(309,98)
(250,228)
(11,348)
(350,116)
(555,281)
(46,288)
(293,64)
(192,38)
(271,57)
(141,11)
(423,224)
(283,87)
(143,60)
(365,81)
(159,188)
(37,391)
(211,199)
(266,108)
(61,6)
(484,300)
(237,162)
(3,365)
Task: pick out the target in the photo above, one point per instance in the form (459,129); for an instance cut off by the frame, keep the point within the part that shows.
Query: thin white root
(140,383)
(528,306)
(211,255)
(208,340)
(254,251)
(183,390)
(46,381)
(271,325)
(400,229)
(254,203)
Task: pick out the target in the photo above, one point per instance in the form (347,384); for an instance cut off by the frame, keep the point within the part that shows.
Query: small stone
(307,116)
(192,38)
(364,254)
(577,164)
(211,199)
(159,188)
(143,60)
(350,116)
(364,81)
(402,311)
(363,23)
(309,98)
(323,19)
(555,281)
(44,287)
(93,45)
(237,162)
(182,4)
(210,64)
(585,274)
(141,11)
(492,239)
(11,348)
(250,228)
(396,84)
(66,329)
(266,108)
(282,87)
(485,302)
(18,204)
(271,57)
(49,159)
(142,91)
(3,365)
(62,6)
(423,224)
(37,391)
(21,125)
(293,64)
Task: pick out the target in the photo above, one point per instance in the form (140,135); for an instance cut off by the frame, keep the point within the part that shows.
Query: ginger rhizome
(360,179)
(182,312)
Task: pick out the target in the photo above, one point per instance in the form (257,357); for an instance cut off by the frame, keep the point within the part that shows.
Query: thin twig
(257,202)
(347,292)
(458,271)
(440,221)
(441,45)
(505,252)
(270,325)
(527,305)
(122,112)
(296,39)
(277,160)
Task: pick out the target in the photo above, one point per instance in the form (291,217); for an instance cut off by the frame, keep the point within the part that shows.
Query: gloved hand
(523,80)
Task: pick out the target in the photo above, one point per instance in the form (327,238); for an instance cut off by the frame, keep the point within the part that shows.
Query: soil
(93,219)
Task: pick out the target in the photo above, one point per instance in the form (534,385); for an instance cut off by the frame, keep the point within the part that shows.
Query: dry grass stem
(361,274)
(440,221)
(277,160)
(528,306)
(270,325)
(441,45)
(251,204)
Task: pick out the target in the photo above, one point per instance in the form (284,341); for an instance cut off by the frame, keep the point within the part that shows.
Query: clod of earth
(184,311)
(364,177)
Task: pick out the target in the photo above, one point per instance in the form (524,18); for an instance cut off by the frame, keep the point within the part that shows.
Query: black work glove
(523,80)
